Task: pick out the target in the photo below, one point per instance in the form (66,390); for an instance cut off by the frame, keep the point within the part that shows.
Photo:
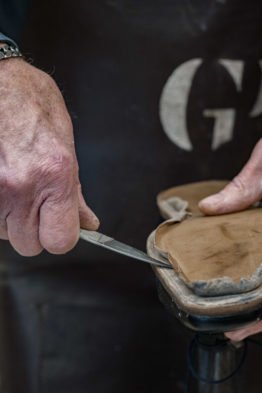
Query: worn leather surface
(214,255)
(112,60)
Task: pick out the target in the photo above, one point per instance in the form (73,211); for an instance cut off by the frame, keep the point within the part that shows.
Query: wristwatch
(10,49)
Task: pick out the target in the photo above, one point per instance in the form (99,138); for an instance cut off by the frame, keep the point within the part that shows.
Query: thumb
(244,190)
(88,219)
(241,334)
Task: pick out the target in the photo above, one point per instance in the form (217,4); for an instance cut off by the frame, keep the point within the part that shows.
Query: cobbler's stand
(214,362)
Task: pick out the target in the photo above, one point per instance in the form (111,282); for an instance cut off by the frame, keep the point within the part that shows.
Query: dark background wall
(89,320)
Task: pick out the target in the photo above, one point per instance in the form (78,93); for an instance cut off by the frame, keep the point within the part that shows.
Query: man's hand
(41,204)
(243,191)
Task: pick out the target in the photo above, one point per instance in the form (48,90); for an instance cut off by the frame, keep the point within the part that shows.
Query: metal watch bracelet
(8,51)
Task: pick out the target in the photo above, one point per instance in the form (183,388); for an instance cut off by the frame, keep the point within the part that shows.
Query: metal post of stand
(214,364)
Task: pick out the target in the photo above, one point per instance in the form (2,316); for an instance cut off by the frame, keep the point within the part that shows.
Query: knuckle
(60,165)
(242,189)
(12,183)
(239,184)
(57,171)
(5,182)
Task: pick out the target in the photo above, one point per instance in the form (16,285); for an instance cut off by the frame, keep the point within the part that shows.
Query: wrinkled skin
(242,192)
(41,204)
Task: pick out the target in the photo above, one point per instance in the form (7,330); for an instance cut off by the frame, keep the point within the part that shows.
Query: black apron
(12,16)
(161,93)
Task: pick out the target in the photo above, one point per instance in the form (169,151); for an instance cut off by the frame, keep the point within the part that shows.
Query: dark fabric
(12,16)
(112,59)
(4,38)
(75,328)
(90,321)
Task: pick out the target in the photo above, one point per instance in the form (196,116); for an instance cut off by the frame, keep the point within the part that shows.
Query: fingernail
(95,220)
(212,200)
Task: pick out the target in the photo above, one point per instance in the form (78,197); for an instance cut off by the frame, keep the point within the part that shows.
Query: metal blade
(108,242)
